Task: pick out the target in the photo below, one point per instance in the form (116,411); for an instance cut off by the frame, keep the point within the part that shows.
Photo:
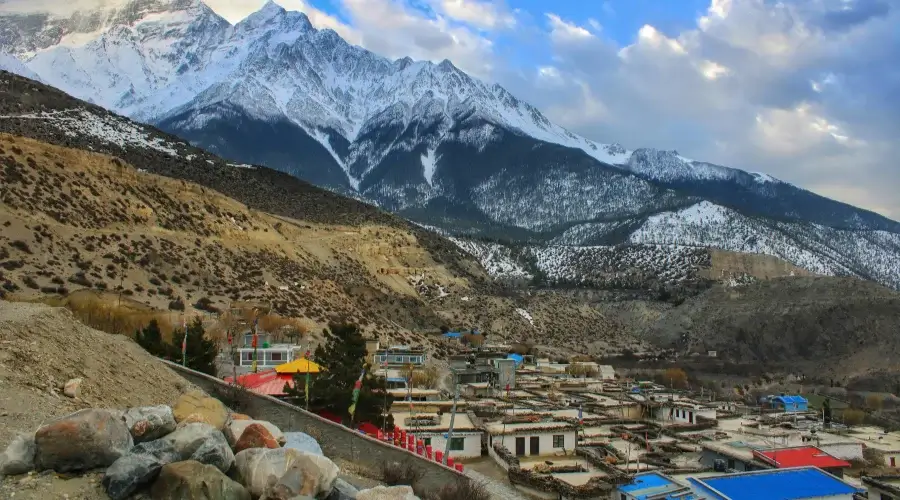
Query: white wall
(683,415)
(472,445)
(545,442)
(844,451)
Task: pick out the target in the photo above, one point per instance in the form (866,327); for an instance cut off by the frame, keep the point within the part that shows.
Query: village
(579,429)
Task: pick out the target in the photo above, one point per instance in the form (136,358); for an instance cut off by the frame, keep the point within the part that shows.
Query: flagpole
(184,341)
(306,389)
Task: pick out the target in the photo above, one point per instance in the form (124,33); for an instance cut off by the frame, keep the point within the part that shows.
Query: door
(893,461)
(535,446)
(520,447)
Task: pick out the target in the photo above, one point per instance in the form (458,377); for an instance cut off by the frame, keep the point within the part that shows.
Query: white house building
(547,438)
(679,412)
(465,442)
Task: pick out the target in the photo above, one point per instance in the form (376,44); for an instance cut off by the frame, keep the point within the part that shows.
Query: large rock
(18,457)
(84,440)
(132,471)
(387,493)
(191,480)
(196,407)
(200,442)
(342,490)
(72,387)
(255,436)
(239,416)
(235,429)
(262,468)
(303,442)
(149,422)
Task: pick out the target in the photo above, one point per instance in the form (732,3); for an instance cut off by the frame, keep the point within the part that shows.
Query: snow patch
(429,165)
(526,315)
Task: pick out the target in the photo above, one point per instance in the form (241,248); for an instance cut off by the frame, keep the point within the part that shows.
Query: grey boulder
(149,422)
(303,442)
(84,440)
(18,457)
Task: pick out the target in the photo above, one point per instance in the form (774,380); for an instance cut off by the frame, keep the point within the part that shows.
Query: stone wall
(336,440)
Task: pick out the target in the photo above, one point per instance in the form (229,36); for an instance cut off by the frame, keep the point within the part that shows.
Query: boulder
(255,436)
(84,440)
(132,471)
(387,493)
(342,490)
(18,457)
(197,407)
(198,442)
(235,429)
(149,422)
(191,480)
(261,468)
(72,387)
(239,416)
(302,442)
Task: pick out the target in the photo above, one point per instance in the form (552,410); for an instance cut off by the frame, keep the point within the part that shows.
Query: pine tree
(150,338)
(342,359)
(201,353)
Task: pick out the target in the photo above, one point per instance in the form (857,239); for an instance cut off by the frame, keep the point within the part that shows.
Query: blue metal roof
(774,484)
(453,335)
(654,485)
(790,399)
(518,358)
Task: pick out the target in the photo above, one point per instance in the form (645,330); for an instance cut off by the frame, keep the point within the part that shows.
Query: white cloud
(795,88)
(488,15)
(562,31)
(394,29)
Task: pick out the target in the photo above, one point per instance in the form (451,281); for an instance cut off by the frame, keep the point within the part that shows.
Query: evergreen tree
(150,338)
(342,359)
(201,353)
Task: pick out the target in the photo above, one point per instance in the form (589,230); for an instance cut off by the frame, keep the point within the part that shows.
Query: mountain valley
(293,167)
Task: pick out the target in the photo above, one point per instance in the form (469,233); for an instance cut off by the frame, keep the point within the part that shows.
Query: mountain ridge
(432,144)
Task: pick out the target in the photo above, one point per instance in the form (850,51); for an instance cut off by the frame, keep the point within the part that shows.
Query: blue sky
(805,90)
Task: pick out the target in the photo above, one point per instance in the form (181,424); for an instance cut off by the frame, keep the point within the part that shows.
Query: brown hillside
(74,219)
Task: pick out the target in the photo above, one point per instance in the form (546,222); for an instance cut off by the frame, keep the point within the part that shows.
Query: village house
(476,390)
(652,486)
(415,394)
(787,404)
(802,456)
(534,438)
(268,355)
(433,428)
(784,484)
(682,412)
(882,487)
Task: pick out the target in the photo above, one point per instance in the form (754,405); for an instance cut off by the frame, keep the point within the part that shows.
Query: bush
(462,489)
(401,473)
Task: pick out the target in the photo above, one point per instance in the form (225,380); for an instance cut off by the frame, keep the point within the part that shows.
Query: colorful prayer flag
(356,388)
(306,389)
(580,417)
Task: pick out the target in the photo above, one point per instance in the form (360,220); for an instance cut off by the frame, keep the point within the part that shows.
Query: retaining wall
(336,440)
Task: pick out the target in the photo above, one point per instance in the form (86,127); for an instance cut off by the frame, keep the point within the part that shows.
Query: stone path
(498,490)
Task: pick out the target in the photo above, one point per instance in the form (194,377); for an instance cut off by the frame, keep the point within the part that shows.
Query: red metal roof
(269,382)
(803,456)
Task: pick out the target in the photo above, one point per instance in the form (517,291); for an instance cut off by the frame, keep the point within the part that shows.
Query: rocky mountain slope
(425,140)
(93,200)
(823,327)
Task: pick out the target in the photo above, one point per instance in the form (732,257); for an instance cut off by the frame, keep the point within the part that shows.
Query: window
(731,463)
(457,444)
(559,441)
(623,497)
(277,356)
(246,357)
(427,441)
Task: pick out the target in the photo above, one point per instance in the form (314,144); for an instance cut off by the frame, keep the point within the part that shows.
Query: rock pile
(194,450)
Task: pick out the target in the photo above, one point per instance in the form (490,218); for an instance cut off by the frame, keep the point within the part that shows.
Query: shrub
(462,489)
(176,305)
(401,473)
(20,245)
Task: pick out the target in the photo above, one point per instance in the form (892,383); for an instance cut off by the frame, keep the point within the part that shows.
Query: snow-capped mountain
(422,139)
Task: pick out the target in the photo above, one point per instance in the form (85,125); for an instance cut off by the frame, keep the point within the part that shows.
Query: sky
(805,90)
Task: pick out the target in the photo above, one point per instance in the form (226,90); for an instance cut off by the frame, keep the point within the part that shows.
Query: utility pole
(452,416)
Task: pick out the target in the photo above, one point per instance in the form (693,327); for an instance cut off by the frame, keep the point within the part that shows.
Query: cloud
(805,90)
(482,14)
(565,32)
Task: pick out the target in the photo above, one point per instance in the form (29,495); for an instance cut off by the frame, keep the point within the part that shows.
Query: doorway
(535,446)
(520,447)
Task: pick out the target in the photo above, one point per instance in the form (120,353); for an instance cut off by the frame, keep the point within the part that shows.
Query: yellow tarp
(299,366)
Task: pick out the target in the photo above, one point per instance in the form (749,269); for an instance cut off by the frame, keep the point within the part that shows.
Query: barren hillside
(74,220)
